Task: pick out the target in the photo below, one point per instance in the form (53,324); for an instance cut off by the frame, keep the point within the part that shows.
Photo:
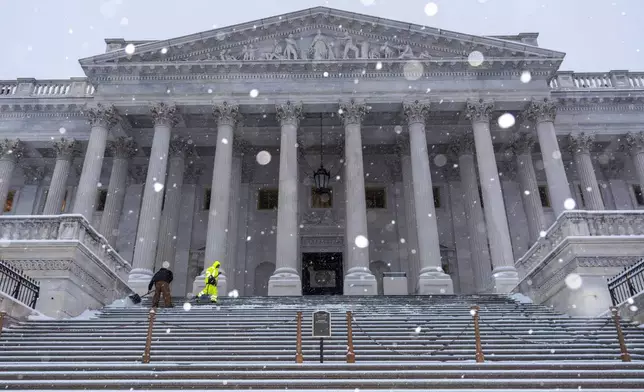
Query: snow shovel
(136,299)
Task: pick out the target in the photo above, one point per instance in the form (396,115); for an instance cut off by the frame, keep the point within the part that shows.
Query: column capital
(164,114)
(352,112)
(581,142)
(122,147)
(226,114)
(289,113)
(11,150)
(416,112)
(462,145)
(522,143)
(66,149)
(541,111)
(479,111)
(634,142)
(181,147)
(34,175)
(102,116)
(138,173)
(193,173)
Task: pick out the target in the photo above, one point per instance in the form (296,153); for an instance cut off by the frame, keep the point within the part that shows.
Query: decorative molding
(66,149)
(544,111)
(11,150)
(102,116)
(415,112)
(327,218)
(318,241)
(479,111)
(226,114)
(634,142)
(123,147)
(581,143)
(353,112)
(164,114)
(289,113)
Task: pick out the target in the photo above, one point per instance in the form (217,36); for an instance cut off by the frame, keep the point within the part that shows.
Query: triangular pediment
(323,34)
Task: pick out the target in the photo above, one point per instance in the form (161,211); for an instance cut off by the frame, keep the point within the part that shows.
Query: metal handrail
(627,283)
(16,284)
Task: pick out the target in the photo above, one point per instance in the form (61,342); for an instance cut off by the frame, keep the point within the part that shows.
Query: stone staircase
(401,343)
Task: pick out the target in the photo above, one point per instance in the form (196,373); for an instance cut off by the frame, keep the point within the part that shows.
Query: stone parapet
(75,266)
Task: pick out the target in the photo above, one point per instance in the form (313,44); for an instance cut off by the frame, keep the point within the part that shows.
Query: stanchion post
(477,334)
(351,355)
(148,339)
(299,357)
(2,314)
(620,335)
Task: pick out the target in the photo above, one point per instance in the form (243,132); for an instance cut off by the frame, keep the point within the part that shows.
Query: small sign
(321,324)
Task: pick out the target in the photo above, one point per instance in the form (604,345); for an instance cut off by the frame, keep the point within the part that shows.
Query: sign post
(321,329)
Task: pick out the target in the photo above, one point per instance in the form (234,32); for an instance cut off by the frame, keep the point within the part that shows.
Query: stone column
(522,145)
(463,148)
(543,114)
(580,145)
(432,278)
(359,280)
(165,117)
(101,119)
(286,279)
(227,116)
(167,248)
(10,153)
(635,145)
(65,149)
(122,149)
(504,274)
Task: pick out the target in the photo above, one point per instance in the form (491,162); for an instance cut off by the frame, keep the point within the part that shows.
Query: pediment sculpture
(326,218)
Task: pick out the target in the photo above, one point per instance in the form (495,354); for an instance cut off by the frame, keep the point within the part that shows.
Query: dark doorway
(322,274)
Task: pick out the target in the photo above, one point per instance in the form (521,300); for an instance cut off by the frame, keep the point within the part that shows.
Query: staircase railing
(627,284)
(17,285)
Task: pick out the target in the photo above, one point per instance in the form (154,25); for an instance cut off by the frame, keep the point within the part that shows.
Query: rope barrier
(429,353)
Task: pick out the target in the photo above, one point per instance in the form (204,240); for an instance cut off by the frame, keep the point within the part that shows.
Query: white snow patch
(521,298)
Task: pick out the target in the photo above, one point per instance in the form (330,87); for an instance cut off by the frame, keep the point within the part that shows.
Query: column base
(139,280)
(360,281)
(504,280)
(435,282)
(200,283)
(285,282)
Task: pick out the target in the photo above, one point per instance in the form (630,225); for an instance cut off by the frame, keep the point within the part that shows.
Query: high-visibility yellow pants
(210,290)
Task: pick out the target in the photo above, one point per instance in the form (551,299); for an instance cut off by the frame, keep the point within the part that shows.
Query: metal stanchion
(148,340)
(2,314)
(477,334)
(620,335)
(351,355)
(299,357)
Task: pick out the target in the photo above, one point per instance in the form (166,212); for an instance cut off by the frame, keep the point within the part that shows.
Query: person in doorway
(212,278)
(161,282)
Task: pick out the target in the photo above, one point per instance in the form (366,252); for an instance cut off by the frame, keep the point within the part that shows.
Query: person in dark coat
(161,282)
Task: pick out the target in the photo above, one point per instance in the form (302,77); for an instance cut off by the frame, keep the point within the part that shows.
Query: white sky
(45,38)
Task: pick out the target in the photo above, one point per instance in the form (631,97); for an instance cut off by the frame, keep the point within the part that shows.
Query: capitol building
(324,152)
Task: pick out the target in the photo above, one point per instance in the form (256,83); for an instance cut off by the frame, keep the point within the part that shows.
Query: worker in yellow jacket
(212,278)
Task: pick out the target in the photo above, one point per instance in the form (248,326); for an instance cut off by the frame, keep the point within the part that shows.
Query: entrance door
(322,274)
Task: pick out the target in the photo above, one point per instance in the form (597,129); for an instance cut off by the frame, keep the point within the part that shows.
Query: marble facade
(203,147)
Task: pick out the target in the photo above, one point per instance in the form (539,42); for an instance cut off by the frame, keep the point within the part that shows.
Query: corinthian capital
(541,111)
(352,112)
(181,147)
(11,149)
(522,143)
(164,114)
(102,116)
(462,145)
(226,114)
(634,142)
(415,112)
(479,111)
(34,175)
(66,149)
(289,113)
(122,147)
(581,142)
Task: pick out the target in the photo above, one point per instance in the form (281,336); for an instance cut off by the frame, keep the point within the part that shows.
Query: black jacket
(162,275)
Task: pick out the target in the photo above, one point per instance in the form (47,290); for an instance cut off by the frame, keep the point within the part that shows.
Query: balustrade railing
(74,87)
(627,284)
(597,80)
(17,285)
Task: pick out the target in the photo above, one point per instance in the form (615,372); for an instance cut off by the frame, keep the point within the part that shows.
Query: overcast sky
(45,38)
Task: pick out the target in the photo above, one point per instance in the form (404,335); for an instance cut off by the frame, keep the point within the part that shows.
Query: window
(8,204)
(100,199)
(481,196)
(205,204)
(376,197)
(639,198)
(544,196)
(437,196)
(267,199)
(321,200)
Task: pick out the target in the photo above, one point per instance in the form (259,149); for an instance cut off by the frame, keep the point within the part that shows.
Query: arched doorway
(263,273)
(378,269)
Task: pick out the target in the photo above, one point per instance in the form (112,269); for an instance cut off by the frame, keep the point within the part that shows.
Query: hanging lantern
(322,178)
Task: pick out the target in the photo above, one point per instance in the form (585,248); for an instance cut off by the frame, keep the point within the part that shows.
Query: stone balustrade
(597,80)
(74,87)
(75,266)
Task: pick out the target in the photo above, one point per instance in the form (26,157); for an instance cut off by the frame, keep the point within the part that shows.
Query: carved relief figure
(291,48)
(406,52)
(276,54)
(225,55)
(374,53)
(249,52)
(425,55)
(386,50)
(320,50)
(349,46)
